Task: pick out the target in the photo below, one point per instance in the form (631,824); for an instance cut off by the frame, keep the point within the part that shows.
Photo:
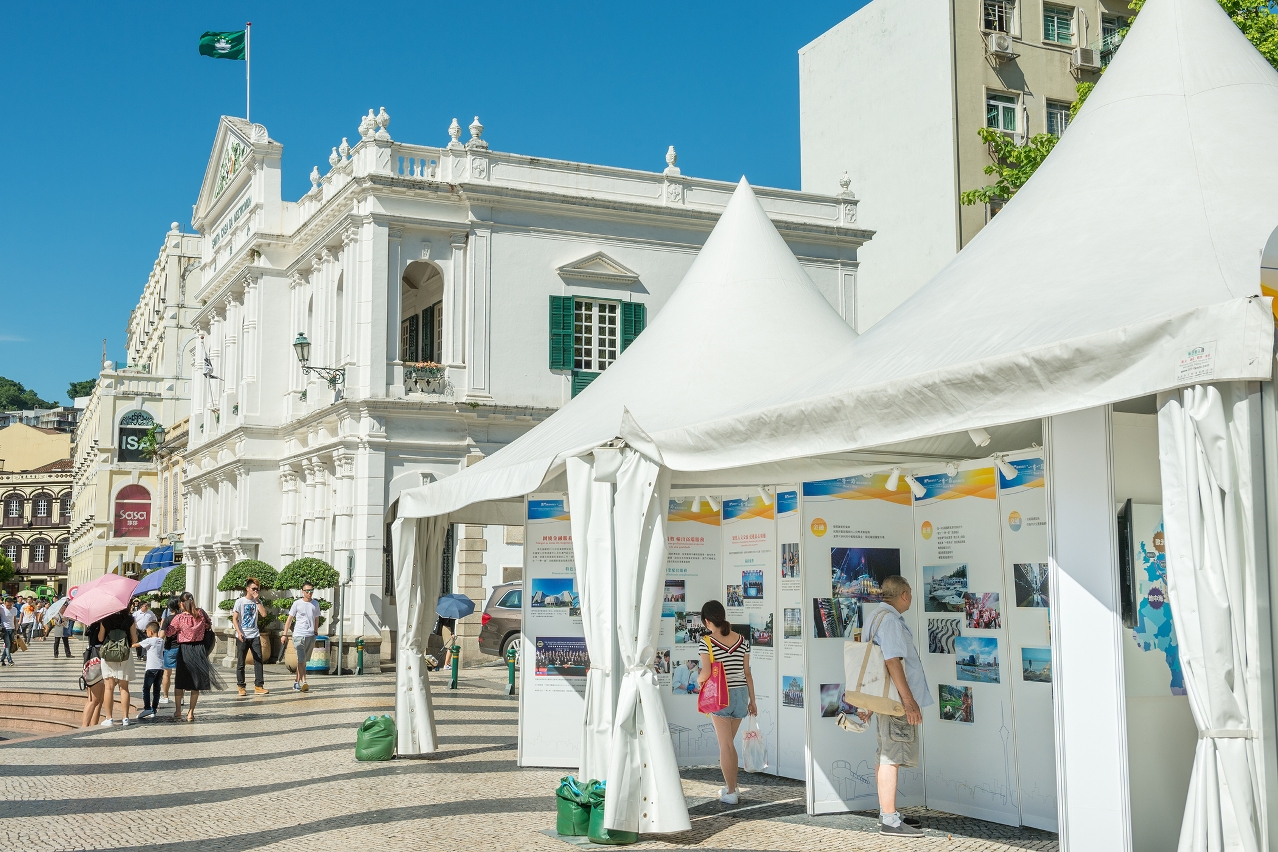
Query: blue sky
(109,113)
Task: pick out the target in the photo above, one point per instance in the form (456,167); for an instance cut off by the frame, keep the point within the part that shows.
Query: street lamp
(158,431)
(335,375)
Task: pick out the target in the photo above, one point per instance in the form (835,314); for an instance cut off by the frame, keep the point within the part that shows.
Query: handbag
(714,692)
(868,684)
(92,668)
(210,638)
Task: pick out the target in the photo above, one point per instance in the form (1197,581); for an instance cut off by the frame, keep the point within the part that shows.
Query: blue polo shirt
(897,640)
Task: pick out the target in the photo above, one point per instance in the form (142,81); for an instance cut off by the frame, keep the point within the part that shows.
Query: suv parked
(501,621)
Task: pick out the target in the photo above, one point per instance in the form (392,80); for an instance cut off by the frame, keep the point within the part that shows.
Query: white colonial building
(460,294)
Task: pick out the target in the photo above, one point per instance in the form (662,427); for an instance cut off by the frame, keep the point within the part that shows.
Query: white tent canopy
(745,320)
(1138,240)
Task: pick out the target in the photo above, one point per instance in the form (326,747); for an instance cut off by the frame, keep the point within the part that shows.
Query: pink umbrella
(101,597)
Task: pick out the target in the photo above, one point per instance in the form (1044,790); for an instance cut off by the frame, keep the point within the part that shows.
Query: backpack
(116,647)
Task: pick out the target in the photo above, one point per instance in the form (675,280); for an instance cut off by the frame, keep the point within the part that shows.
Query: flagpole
(248,69)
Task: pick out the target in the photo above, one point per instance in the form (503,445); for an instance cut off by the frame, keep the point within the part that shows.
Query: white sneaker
(106,723)
(728,798)
(163,700)
(125,721)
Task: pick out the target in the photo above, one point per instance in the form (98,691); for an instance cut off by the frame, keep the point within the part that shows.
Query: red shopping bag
(714,692)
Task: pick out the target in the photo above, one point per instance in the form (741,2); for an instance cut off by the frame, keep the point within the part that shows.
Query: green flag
(223,45)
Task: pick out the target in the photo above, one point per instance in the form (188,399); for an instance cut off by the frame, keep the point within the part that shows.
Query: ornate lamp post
(334,375)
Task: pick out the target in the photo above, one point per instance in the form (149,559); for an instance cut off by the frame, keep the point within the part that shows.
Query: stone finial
(344,149)
(173,226)
(315,178)
(383,121)
(367,126)
(333,159)
(454,132)
(845,182)
(476,131)
(671,158)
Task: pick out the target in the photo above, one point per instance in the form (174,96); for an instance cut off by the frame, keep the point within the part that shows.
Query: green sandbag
(376,739)
(597,833)
(572,818)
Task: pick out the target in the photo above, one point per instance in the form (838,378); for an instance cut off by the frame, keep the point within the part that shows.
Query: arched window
(13,510)
(66,507)
(132,512)
(41,509)
(39,550)
(63,547)
(12,548)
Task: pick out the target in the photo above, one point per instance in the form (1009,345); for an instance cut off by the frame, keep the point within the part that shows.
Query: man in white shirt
(8,614)
(305,615)
(143,616)
(899,738)
(248,638)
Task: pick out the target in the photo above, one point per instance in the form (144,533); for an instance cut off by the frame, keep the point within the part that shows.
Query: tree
(7,571)
(237,575)
(1013,165)
(79,389)
(14,397)
(315,571)
(1258,21)
(175,581)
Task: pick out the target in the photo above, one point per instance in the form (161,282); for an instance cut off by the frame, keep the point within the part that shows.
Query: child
(154,647)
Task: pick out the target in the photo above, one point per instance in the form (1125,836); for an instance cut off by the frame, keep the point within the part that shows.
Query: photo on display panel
(562,656)
(956,703)
(1036,665)
(848,611)
(825,620)
(859,572)
(553,593)
(791,691)
(683,678)
(792,619)
(752,584)
(663,661)
(760,629)
(941,633)
(831,698)
(976,659)
(688,628)
(1031,584)
(982,610)
(944,587)
(789,560)
(675,599)
(733,597)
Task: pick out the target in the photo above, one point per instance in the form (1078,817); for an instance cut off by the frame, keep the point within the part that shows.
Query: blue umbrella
(152,582)
(455,606)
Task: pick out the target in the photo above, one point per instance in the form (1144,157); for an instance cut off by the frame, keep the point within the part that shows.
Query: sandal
(190,717)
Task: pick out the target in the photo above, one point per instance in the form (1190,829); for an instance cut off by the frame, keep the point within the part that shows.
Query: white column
(249,402)
(478,316)
(455,303)
(289,548)
(1089,693)
(394,310)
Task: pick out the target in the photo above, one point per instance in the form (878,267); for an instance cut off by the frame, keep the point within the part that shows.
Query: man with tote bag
(899,738)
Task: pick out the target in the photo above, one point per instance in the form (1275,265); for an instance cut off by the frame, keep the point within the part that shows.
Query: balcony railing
(19,521)
(427,378)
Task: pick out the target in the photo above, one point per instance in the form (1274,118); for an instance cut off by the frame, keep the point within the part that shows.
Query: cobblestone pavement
(278,773)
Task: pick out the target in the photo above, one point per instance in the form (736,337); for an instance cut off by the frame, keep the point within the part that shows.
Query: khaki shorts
(898,741)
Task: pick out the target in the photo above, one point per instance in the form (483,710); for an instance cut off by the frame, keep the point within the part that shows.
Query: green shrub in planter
(237,575)
(315,571)
(325,605)
(175,582)
(226,606)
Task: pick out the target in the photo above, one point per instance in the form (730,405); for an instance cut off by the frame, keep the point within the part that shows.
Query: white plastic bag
(754,753)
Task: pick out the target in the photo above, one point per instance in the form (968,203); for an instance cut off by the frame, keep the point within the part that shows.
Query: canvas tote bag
(868,684)
(714,692)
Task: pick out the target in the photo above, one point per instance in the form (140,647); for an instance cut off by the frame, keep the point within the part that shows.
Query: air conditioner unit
(1085,59)
(1000,45)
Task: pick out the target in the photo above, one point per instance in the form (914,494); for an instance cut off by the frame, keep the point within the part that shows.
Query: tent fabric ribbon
(592,543)
(643,792)
(1206,434)
(418,545)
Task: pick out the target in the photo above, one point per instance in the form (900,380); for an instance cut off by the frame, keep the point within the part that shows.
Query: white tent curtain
(1205,448)
(643,793)
(418,545)
(590,494)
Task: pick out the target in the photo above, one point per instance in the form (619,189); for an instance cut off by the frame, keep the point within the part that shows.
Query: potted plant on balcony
(428,374)
(235,579)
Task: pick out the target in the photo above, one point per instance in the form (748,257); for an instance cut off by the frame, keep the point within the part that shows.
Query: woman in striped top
(733,651)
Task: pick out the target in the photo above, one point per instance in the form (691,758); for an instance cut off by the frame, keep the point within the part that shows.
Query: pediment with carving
(599,267)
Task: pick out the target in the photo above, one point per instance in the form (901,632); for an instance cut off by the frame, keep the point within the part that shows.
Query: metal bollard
(456,649)
(510,672)
(359,656)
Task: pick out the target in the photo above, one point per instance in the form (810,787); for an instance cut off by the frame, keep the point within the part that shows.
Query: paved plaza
(279,773)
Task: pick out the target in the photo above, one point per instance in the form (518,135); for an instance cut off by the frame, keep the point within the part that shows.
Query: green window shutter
(561,333)
(408,339)
(633,318)
(428,334)
(581,380)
